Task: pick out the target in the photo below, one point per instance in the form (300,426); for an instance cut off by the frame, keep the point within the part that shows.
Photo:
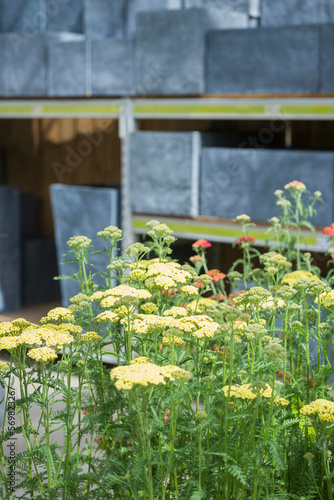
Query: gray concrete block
(223,13)
(133,7)
(326,78)
(64,15)
(28,215)
(25,68)
(82,210)
(112,67)
(235,181)
(164,172)
(10,253)
(266,60)
(290,12)
(296,12)
(104,18)
(39,267)
(67,68)
(169,54)
(2,65)
(22,16)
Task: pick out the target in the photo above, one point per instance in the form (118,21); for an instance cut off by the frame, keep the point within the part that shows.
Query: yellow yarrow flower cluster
(173,340)
(322,408)
(13,328)
(326,299)
(9,342)
(4,366)
(247,391)
(273,304)
(109,297)
(170,270)
(189,290)
(107,317)
(149,307)
(176,312)
(90,337)
(291,278)
(164,282)
(58,314)
(142,373)
(42,354)
(199,306)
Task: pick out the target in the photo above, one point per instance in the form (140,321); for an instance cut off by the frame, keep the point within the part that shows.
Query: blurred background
(114,112)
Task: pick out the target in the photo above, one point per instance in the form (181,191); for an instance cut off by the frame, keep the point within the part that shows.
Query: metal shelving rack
(129,110)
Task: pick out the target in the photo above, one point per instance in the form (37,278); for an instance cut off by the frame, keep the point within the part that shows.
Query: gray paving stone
(39,267)
(164,172)
(67,67)
(235,181)
(104,18)
(22,16)
(64,15)
(25,69)
(82,210)
(10,254)
(281,60)
(327,59)
(170,52)
(112,67)
(135,6)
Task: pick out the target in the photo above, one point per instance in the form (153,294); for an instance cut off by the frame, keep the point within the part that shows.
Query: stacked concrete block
(326,78)
(170,52)
(25,70)
(64,15)
(224,13)
(296,12)
(104,18)
(10,255)
(22,16)
(165,171)
(112,67)
(268,60)
(235,181)
(133,7)
(82,210)
(68,70)
(2,65)
(39,267)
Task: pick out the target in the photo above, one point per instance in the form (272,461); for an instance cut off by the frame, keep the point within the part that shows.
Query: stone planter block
(28,215)
(327,59)
(22,16)
(25,69)
(67,67)
(296,12)
(282,60)
(104,18)
(39,267)
(10,254)
(290,12)
(112,67)
(135,6)
(164,172)
(223,13)
(82,210)
(235,181)
(65,15)
(170,52)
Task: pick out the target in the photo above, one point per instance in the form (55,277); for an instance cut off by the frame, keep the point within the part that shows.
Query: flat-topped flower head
(90,337)
(216,275)
(58,314)
(299,186)
(321,408)
(43,354)
(329,230)
(79,242)
(242,218)
(201,244)
(141,372)
(246,240)
(291,278)
(112,233)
